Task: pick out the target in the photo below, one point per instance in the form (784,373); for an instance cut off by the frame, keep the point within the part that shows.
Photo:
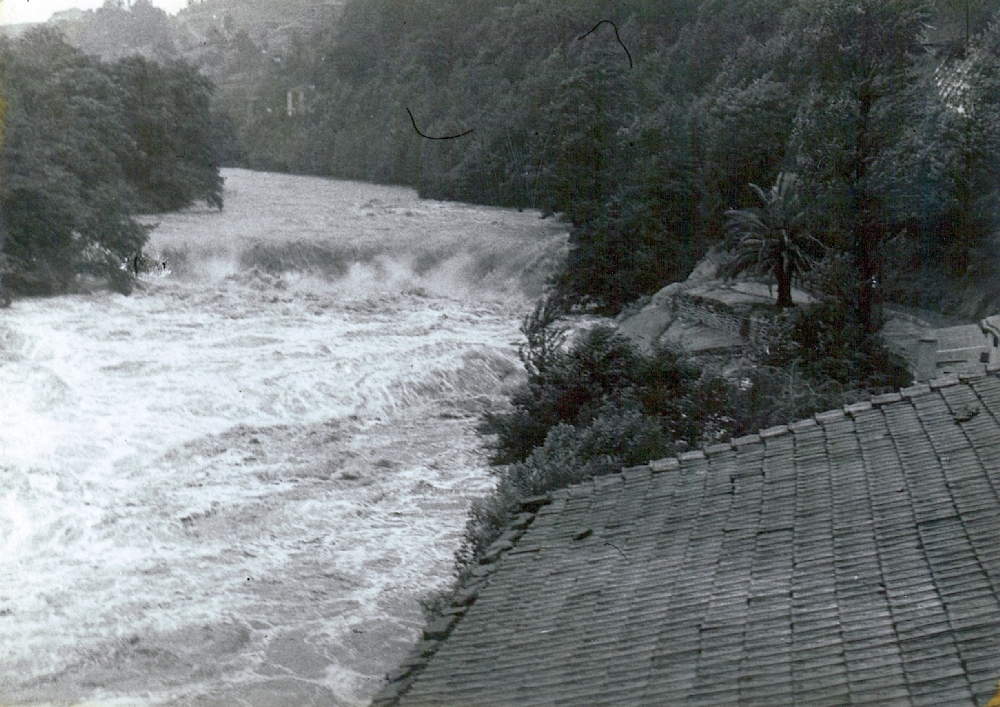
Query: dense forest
(87,145)
(645,132)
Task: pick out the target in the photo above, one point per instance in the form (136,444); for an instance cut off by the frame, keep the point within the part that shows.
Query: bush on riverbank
(599,377)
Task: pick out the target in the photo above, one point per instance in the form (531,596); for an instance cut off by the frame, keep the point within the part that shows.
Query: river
(233,486)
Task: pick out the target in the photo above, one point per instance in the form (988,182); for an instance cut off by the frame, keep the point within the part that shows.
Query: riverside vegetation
(87,145)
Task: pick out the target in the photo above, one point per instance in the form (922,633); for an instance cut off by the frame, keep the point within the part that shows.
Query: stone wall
(717,315)
(754,325)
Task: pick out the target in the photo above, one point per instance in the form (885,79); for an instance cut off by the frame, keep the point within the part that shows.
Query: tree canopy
(86,146)
(772,240)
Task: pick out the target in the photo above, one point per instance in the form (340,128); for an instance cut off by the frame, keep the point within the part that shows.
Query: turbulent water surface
(233,486)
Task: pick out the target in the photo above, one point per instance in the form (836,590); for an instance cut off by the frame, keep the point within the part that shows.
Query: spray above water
(338,233)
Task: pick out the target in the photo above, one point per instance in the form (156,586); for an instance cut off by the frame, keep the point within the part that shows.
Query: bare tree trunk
(785,290)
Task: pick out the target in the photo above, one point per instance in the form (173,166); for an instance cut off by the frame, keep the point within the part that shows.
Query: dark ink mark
(583,534)
(447,137)
(627,52)
(619,550)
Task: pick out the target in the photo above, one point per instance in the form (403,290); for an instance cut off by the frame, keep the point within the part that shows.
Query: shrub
(564,387)
(829,344)
(600,372)
(777,395)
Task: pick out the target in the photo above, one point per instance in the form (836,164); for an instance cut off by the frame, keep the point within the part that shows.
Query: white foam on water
(236,483)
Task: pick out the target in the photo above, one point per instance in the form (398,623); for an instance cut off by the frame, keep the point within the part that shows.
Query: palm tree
(772,240)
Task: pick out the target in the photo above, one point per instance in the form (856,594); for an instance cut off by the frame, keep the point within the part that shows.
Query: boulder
(645,328)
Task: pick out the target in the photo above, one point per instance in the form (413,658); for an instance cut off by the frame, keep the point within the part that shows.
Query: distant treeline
(86,146)
(887,110)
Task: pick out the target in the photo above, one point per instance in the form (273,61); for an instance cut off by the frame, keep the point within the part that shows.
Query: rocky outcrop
(705,314)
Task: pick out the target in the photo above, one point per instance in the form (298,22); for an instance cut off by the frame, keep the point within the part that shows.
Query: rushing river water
(233,486)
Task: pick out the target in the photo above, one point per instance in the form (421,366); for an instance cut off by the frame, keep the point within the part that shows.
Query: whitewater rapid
(234,485)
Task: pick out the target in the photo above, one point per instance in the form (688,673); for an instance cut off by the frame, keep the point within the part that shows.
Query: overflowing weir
(233,486)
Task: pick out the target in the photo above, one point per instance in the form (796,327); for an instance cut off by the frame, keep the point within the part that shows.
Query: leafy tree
(772,240)
(964,133)
(858,58)
(166,114)
(601,380)
(118,29)
(65,199)
(79,158)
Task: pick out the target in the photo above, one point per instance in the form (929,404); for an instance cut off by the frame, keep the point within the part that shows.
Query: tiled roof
(849,559)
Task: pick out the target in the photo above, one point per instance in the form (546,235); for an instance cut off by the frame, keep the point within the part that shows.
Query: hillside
(224,37)
(270,23)
(232,42)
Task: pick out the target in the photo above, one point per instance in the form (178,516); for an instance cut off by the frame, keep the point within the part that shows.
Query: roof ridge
(849,410)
